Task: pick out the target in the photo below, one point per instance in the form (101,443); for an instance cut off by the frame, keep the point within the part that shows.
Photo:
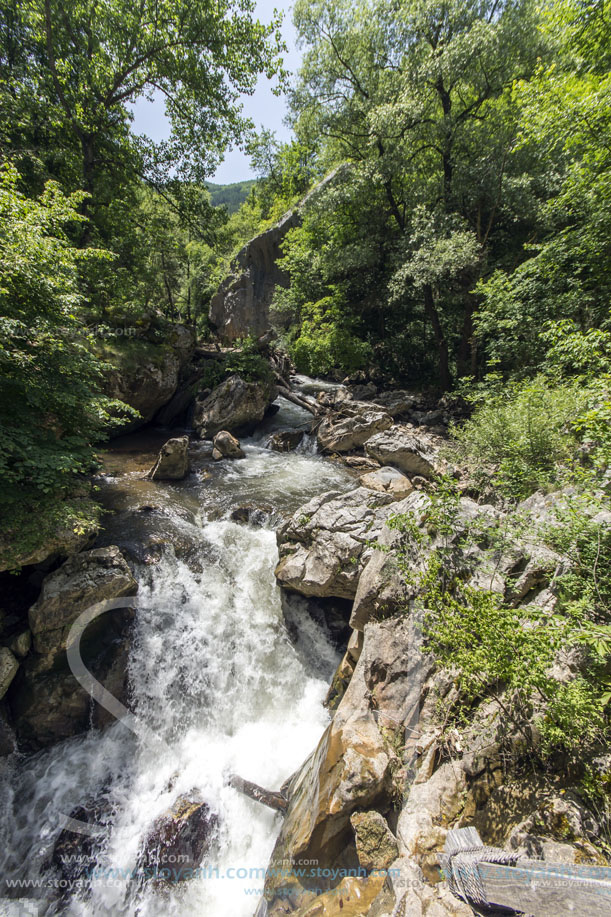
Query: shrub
(523,435)
(326,341)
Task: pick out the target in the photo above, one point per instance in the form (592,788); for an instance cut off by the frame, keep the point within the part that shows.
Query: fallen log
(269,798)
(308,405)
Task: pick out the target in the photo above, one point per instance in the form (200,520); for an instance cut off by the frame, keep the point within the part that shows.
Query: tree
(50,405)
(85,62)
(417,98)
(565,115)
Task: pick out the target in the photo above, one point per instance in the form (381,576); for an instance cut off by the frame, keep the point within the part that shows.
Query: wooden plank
(532,886)
(581,871)
(542,892)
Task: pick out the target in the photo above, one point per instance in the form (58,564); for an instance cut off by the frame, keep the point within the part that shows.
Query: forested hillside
(231,196)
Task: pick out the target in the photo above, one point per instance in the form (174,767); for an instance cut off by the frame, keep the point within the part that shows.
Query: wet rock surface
(173,461)
(46,701)
(178,841)
(82,581)
(235,405)
(226,446)
(285,440)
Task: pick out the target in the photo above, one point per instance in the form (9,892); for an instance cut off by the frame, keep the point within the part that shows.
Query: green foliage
(565,122)
(245,361)
(325,341)
(417,102)
(523,435)
(50,407)
(497,650)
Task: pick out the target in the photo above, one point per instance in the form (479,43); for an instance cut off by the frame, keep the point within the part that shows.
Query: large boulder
(226,446)
(46,701)
(178,841)
(349,427)
(146,378)
(173,460)
(351,769)
(325,545)
(87,578)
(50,706)
(235,405)
(410,452)
(399,403)
(388,480)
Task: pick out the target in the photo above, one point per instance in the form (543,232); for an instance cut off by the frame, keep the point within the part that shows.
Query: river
(213,674)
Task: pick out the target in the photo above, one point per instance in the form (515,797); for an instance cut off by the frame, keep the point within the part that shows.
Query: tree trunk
(269,798)
(445,380)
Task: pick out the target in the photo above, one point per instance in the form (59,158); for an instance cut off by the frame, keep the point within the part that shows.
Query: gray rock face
(235,406)
(354,423)
(399,403)
(83,580)
(173,461)
(411,453)
(381,588)
(149,382)
(324,546)
(226,446)
(241,305)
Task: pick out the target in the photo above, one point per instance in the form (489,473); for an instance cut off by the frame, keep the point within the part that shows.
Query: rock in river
(178,841)
(226,446)
(173,460)
(235,405)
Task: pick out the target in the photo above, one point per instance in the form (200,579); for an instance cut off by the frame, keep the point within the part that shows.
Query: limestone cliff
(240,307)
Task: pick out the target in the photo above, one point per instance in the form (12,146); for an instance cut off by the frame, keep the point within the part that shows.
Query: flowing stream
(213,673)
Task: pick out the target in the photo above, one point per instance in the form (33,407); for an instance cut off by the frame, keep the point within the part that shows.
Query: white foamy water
(215,676)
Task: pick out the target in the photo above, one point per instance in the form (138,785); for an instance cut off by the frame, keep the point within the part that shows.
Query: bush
(326,341)
(507,653)
(523,435)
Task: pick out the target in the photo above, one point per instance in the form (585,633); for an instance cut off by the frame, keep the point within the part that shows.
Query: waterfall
(215,675)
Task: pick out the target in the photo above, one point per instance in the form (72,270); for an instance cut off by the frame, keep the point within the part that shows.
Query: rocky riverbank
(388,777)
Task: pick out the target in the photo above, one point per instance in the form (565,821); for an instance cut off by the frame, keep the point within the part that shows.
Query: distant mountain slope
(232,196)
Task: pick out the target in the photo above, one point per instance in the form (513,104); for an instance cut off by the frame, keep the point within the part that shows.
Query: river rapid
(213,673)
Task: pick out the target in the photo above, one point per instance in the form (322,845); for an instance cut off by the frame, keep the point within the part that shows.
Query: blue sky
(263,106)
